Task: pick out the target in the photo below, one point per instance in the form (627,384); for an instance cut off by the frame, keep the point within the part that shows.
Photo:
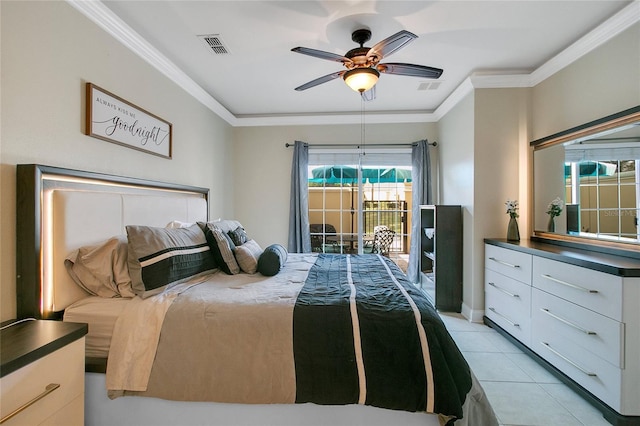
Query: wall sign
(113,119)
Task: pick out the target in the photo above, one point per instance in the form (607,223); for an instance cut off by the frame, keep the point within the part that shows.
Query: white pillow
(247,256)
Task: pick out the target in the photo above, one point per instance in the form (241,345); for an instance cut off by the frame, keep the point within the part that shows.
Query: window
(603,197)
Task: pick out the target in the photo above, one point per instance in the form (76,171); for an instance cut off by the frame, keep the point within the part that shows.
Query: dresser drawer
(64,367)
(595,333)
(508,304)
(511,263)
(591,289)
(590,371)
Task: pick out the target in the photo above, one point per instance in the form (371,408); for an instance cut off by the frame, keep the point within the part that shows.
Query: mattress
(101,315)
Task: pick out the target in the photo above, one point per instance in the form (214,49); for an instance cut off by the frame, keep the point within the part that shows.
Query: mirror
(586,181)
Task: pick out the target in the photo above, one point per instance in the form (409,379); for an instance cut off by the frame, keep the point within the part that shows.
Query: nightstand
(42,373)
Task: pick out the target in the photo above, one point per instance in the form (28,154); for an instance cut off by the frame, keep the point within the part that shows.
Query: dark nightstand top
(28,341)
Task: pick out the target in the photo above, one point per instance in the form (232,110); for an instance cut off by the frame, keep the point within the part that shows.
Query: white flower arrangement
(512,208)
(555,207)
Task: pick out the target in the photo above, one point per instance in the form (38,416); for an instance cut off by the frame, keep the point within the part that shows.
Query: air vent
(429,85)
(215,44)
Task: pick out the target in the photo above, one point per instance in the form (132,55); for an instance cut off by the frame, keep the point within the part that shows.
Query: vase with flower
(553,210)
(513,233)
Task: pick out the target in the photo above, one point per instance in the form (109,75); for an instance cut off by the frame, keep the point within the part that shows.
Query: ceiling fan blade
(369,95)
(410,70)
(390,44)
(322,54)
(320,80)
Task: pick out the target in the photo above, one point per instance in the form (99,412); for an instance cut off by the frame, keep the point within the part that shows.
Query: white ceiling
(507,41)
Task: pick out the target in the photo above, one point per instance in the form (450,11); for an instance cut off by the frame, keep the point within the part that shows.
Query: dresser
(42,373)
(577,312)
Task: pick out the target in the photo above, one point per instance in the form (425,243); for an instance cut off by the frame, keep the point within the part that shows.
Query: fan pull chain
(362,127)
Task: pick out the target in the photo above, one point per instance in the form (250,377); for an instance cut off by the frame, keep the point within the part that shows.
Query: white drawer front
(590,371)
(595,333)
(591,289)
(511,263)
(508,304)
(64,367)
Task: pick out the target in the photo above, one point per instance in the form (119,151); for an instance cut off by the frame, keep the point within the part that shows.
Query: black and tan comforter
(328,329)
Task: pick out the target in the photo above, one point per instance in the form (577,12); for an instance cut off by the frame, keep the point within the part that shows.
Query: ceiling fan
(363,63)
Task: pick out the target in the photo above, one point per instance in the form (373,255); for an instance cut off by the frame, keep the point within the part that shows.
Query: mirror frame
(622,118)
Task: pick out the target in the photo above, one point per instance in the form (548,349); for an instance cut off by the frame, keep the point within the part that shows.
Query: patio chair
(382,239)
(319,232)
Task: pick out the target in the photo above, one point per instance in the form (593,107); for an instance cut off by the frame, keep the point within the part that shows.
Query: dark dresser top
(28,341)
(604,262)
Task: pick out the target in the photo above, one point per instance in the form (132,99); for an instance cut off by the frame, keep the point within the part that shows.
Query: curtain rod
(330,145)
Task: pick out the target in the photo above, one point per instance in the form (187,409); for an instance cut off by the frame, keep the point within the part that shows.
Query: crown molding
(595,38)
(112,24)
(395,117)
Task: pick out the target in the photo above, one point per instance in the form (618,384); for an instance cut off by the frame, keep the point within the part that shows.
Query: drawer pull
(569,323)
(504,317)
(588,373)
(502,262)
(503,290)
(47,390)
(577,287)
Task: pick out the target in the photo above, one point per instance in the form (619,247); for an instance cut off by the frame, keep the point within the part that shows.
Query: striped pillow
(159,257)
(222,249)
(247,256)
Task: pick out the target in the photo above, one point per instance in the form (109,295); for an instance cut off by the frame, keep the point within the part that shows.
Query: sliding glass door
(361,206)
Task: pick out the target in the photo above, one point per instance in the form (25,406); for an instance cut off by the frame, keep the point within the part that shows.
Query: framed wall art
(113,119)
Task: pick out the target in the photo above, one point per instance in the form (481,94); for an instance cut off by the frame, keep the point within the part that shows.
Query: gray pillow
(101,269)
(159,257)
(238,236)
(272,260)
(222,249)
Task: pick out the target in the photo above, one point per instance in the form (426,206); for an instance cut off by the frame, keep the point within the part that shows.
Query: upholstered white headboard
(60,210)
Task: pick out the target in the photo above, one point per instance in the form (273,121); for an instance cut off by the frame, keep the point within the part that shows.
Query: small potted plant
(513,233)
(554,209)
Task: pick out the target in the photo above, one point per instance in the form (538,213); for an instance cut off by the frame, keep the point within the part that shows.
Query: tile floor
(521,391)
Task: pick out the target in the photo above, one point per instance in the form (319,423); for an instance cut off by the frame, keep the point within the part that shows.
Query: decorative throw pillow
(272,260)
(247,256)
(238,236)
(222,249)
(159,257)
(102,269)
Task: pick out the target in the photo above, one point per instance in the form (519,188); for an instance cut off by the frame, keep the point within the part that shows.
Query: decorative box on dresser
(42,373)
(441,255)
(575,311)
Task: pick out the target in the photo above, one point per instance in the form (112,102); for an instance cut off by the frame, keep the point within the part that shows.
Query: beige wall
(483,157)
(49,51)
(603,82)
(263,168)
(456,151)
(501,165)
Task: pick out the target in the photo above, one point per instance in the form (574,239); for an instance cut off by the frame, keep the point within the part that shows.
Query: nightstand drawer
(591,289)
(64,367)
(511,263)
(508,304)
(593,332)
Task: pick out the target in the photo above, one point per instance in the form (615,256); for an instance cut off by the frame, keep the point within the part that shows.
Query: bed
(313,339)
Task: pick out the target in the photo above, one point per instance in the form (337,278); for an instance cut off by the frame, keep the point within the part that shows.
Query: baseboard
(472,315)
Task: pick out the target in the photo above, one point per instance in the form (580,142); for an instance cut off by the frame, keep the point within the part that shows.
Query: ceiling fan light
(361,79)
